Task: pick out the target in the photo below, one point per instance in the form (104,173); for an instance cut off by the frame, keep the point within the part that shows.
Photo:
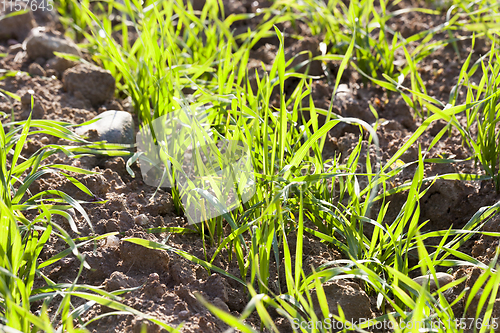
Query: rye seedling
(196,62)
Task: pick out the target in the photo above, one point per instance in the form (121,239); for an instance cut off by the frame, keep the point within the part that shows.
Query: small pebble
(45,140)
(112,241)
(343,92)
(127,104)
(141,220)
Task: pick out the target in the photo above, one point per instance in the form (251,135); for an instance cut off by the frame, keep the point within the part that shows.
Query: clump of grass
(482,133)
(377,46)
(294,183)
(72,18)
(22,239)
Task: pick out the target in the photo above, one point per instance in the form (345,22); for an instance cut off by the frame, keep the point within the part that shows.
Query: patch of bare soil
(166,283)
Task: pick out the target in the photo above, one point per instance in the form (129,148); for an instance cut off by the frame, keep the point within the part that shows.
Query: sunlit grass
(171,57)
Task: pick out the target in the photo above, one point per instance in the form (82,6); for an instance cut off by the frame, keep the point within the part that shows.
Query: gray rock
(51,73)
(442,278)
(197,4)
(111,126)
(43,44)
(94,83)
(18,26)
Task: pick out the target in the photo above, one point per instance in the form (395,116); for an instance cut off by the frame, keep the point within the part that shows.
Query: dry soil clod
(16,27)
(354,302)
(91,82)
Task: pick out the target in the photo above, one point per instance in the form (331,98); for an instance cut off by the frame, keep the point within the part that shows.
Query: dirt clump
(36,70)
(15,27)
(89,82)
(303,51)
(34,108)
(59,65)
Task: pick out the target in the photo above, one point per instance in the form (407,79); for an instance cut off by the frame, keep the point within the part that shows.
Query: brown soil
(166,282)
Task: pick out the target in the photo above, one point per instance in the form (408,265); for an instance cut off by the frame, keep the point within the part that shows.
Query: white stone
(111,126)
(112,241)
(141,219)
(442,278)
